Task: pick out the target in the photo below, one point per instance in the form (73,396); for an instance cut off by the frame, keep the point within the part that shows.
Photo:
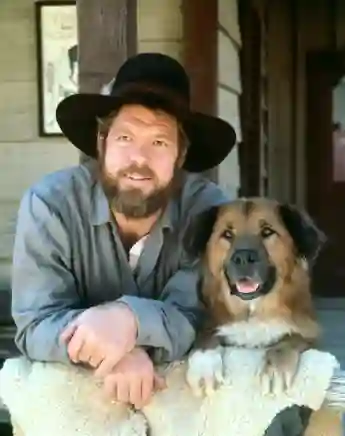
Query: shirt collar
(167,219)
(100,211)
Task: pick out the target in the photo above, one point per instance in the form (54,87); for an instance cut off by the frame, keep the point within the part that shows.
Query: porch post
(107,36)
(200,55)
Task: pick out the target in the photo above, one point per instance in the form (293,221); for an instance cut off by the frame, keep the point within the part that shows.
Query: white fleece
(53,399)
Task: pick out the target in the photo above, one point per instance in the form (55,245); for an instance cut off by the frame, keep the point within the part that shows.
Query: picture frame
(57,59)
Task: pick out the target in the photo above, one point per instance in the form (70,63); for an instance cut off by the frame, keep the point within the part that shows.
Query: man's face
(139,160)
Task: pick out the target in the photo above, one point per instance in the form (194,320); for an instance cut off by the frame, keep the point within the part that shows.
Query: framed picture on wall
(57,59)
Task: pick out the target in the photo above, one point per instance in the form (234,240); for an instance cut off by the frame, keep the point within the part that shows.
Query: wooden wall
(156,25)
(160,27)
(211,46)
(295,27)
(229,87)
(24,156)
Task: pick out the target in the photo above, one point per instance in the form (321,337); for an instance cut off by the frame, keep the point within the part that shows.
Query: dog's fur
(282,320)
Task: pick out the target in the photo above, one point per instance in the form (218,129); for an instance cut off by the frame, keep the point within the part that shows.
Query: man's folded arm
(44,294)
(169,324)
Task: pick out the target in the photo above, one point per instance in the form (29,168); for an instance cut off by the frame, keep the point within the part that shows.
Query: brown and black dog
(256,256)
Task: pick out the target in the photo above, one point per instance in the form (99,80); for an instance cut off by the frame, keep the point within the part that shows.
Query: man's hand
(133,380)
(101,336)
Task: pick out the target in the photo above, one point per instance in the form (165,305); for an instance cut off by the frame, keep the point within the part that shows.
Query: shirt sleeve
(44,295)
(169,324)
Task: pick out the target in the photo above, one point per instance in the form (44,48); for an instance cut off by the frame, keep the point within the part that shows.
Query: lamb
(64,400)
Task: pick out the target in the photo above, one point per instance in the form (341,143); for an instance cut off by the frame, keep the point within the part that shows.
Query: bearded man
(100,277)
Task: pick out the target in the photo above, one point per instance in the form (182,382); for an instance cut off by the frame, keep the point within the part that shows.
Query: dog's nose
(245,257)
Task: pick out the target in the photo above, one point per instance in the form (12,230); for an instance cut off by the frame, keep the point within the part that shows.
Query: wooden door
(325,183)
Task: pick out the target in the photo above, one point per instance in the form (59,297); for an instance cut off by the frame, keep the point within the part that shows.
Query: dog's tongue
(247,286)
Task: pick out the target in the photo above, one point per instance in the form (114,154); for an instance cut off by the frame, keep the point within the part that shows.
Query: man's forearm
(40,339)
(169,324)
(161,326)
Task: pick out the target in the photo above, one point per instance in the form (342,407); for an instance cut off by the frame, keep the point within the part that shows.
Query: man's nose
(138,154)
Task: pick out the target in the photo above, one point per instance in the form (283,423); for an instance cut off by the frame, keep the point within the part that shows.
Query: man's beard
(133,202)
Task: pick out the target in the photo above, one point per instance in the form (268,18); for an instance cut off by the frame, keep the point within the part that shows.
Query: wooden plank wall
(25,157)
(160,27)
(212,42)
(229,88)
(295,27)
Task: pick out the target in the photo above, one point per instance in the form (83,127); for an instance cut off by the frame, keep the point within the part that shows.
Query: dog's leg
(281,363)
(205,367)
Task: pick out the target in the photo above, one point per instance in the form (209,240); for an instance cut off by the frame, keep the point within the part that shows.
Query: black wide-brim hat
(210,138)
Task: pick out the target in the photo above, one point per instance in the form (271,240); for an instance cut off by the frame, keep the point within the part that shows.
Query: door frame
(323,71)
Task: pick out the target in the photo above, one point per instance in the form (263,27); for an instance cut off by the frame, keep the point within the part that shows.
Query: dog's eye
(227,234)
(266,232)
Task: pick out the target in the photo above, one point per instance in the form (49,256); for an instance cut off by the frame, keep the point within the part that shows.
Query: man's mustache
(142,171)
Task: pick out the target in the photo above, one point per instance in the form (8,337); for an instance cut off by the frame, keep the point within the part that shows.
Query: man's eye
(123,138)
(159,143)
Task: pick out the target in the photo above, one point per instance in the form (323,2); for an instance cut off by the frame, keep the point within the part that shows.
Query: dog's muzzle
(248,269)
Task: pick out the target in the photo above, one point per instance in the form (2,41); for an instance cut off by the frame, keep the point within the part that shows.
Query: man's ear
(198,231)
(308,238)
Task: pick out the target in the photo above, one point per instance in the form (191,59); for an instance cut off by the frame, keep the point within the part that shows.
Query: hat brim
(211,139)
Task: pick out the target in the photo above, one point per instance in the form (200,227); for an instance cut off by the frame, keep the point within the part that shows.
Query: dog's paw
(205,371)
(279,369)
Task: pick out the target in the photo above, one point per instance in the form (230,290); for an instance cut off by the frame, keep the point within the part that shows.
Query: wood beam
(200,55)
(280,70)
(200,52)
(107,35)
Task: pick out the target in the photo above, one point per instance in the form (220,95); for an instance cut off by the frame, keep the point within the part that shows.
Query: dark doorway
(325,158)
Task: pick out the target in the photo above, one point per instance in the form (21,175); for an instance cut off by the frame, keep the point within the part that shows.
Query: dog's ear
(308,238)
(198,231)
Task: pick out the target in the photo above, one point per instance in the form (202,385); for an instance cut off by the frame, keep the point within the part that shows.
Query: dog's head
(253,244)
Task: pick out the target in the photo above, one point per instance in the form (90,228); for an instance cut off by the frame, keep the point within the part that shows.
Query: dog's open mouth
(246,286)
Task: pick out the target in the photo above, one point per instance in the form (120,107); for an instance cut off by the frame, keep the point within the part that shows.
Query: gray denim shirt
(68,256)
